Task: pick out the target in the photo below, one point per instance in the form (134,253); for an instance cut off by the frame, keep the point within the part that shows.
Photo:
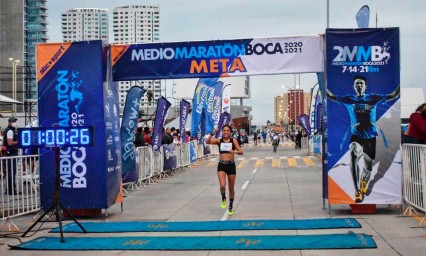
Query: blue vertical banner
(363,17)
(170,159)
(185,106)
(200,96)
(225,119)
(363,109)
(112,135)
(71,92)
(163,106)
(208,107)
(192,151)
(127,134)
(322,120)
(318,117)
(312,108)
(304,122)
(217,101)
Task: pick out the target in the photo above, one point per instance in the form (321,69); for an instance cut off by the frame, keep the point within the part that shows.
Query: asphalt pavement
(282,185)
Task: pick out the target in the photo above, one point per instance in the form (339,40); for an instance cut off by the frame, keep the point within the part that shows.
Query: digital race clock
(40,137)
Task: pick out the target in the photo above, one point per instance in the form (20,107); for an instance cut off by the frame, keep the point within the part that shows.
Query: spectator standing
(10,139)
(147,136)
(139,138)
(167,137)
(416,131)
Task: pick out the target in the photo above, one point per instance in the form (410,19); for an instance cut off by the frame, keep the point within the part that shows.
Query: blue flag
(304,122)
(225,119)
(163,106)
(363,17)
(127,134)
(208,106)
(184,110)
(217,101)
(200,95)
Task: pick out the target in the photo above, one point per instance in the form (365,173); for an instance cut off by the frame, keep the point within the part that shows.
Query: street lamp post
(14,78)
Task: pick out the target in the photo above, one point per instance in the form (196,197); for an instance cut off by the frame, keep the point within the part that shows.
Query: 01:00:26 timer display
(55,136)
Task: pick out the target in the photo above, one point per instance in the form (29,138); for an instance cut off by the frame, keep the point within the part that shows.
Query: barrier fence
(20,195)
(19,182)
(414,172)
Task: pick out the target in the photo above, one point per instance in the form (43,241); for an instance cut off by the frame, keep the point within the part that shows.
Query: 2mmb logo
(377,54)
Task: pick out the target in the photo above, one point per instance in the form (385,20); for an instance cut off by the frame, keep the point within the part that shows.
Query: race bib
(226,146)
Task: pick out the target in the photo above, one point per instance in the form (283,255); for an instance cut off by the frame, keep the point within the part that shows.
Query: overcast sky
(189,20)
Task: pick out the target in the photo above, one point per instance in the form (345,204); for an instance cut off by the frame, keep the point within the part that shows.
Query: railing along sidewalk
(19,184)
(414,172)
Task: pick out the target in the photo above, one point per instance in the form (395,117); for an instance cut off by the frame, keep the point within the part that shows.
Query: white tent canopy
(4,99)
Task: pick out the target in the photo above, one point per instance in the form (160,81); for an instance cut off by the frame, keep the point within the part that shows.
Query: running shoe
(223,204)
(363,187)
(359,197)
(230,212)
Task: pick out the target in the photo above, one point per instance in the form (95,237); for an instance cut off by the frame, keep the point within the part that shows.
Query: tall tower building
(85,24)
(23,24)
(136,24)
(289,106)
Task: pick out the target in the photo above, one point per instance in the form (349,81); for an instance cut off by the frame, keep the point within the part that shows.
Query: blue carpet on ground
(194,226)
(175,243)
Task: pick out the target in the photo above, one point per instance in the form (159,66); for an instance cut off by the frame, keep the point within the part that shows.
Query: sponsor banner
(206,148)
(163,106)
(318,116)
(322,119)
(226,98)
(225,119)
(112,131)
(304,122)
(208,108)
(185,107)
(127,134)
(317,144)
(71,93)
(170,159)
(217,100)
(363,17)
(192,151)
(312,113)
(200,59)
(363,109)
(201,126)
(200,95)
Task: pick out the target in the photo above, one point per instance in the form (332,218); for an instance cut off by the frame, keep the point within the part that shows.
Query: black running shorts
(228,167)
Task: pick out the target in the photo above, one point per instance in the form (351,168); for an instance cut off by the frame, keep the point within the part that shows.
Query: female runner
(228,147)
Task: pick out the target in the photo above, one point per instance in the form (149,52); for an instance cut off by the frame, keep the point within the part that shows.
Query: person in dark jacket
(10,140)
(139,138)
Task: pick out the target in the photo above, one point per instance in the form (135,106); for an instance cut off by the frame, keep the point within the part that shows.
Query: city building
(85,24)
(288,106)
(136,24)
(23,24)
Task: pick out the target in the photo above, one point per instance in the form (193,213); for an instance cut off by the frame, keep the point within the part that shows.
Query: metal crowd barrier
(19,184)
(185,160)
(304,143)
(315,145)
(414,172)
(27,198)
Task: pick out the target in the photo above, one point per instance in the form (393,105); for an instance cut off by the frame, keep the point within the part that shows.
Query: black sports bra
(226,152)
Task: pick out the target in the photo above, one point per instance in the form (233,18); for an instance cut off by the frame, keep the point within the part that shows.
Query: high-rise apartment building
(136,24)
(85,24)
(289,106)
(23,24)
